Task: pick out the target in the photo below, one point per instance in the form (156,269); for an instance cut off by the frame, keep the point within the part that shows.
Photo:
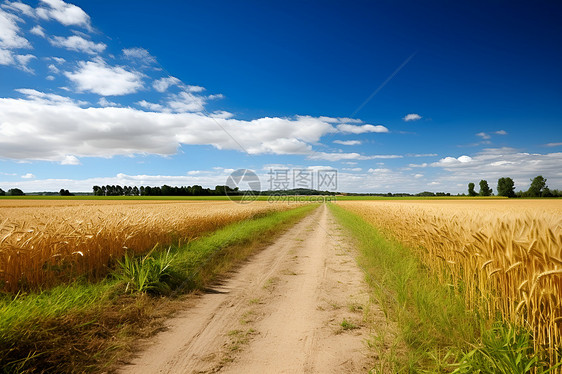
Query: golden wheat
(45,242)
(505,257)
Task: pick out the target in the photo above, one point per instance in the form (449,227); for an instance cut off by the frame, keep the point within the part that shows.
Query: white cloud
(186,102)
(163,84)
(50,78)
(417,176)
(139,54)
(19,7)
(28,126)
(28,176)
(23,60)
(361,129)
(337,156)
(38,30)
(106,103)
(352,169)
(58,60)
(151,106)
(348,142)
(98,77)
(78,44)
(189,88)
(412,117)
(425,164)
(348,156)
(494,163)
(47,98)
(221,114)
(553,144)
(421,155)
(67,14)
(483,135)
(501,132)
(10,32)
(452,161)
(70,160)
(53,69)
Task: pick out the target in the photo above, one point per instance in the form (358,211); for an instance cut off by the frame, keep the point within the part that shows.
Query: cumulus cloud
(500,132)
(38,30)
(154,107)
(412,117)
(78,44)
(98,77)
(28,176)
(161,85)
(27,126)
(67,14)
(348,142)
(10,36)
(105,103)
(361,129)
(70,160)
(186,102)
(494,163)
(19,7)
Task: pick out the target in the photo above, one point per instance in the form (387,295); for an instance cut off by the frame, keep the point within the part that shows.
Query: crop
(44,242)
(503,257)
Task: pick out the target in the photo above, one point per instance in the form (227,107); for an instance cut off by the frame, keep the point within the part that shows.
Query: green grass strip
(52,330)
(431,318)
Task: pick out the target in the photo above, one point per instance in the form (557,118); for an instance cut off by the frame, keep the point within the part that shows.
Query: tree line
(165,190)
(506,187)
(12,192)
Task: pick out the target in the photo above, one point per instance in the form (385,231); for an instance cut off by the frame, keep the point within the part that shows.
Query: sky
(397,96)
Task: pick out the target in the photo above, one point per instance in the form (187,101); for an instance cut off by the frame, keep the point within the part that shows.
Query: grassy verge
(87,326)
(439,333)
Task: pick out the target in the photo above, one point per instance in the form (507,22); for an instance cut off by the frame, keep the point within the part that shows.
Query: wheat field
(45,242)
(503,256)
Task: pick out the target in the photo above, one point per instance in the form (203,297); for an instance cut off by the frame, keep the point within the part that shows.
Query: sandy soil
(298,306)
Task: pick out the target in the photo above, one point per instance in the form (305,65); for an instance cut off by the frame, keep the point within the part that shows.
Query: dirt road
(298,306)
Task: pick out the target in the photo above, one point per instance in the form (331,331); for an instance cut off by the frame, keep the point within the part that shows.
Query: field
(504,258)
(45,242)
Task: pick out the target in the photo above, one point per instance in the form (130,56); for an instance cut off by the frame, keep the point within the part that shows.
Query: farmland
(45,242)
(503,258)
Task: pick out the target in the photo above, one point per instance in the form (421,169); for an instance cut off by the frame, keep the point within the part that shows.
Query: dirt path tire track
(298,306)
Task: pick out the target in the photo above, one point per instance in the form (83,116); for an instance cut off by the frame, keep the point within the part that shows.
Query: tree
(2,193)
(538,185)
(471,191)
(15,192)
(484,189)
(506,187)
(64,192)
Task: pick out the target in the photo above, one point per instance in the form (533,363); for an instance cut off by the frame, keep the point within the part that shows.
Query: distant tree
(484,189)
(15,192)
(2,193)
(471,191)
(506,187)
(136,191)
(538,185)
(64,192)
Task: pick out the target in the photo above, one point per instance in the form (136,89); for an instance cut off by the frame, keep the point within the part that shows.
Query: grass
(85,327)
(431,319)
(440,334)
(347,325)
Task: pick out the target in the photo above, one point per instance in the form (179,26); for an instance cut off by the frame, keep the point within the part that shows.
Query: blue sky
(398,96)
